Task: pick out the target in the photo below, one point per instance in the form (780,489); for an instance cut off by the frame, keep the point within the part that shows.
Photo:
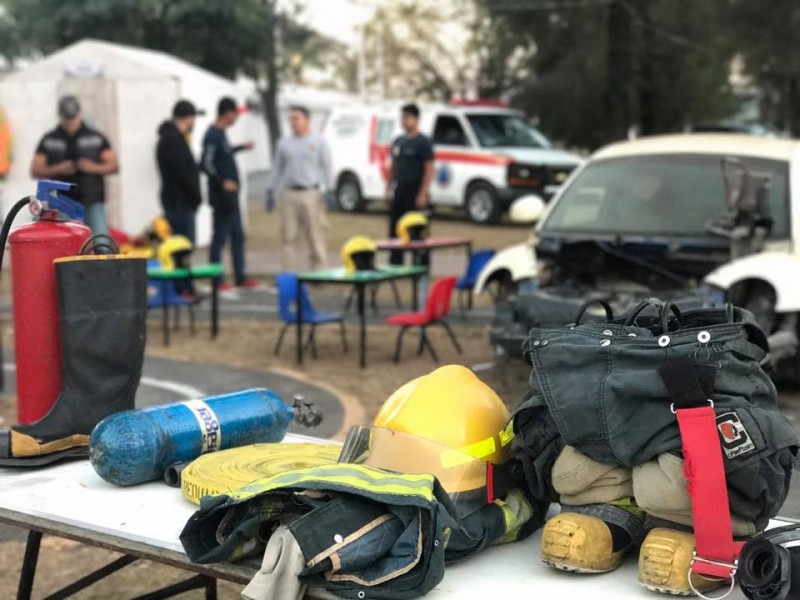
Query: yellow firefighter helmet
(447,423)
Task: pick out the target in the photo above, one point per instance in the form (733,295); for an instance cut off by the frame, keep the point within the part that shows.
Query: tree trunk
(269,95)
(619,74)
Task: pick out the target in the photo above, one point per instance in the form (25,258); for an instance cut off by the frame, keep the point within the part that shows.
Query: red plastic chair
(437,307)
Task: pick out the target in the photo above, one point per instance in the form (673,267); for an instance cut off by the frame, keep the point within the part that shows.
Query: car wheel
(483,205)
(348,194)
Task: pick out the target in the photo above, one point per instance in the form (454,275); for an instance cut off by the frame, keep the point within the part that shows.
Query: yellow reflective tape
(353,476)
(507,434)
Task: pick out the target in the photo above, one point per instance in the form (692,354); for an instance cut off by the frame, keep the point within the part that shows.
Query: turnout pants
(658,487)
(303,210)
(402,202)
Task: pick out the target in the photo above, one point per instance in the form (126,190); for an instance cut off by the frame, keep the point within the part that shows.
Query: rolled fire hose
(226,471)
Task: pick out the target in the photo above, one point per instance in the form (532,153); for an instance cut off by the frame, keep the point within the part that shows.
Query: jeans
(228,223)
(182,221)
(95,218)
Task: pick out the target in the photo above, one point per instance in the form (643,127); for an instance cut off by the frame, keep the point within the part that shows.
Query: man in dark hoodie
(180,175)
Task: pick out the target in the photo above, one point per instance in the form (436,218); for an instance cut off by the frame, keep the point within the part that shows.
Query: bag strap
(582,310)
(690,387)
(664,310)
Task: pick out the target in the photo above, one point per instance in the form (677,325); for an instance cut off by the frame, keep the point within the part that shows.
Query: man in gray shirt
(301,175)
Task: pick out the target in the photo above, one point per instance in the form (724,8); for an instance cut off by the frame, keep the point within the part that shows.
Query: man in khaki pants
(301,175)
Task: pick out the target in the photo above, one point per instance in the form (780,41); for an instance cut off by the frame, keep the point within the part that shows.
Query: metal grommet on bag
(663,341)
(703,337)
(632,335)
(544,343)
(536,343)
(608,332)
(362,594)
(605,343)
(338,538)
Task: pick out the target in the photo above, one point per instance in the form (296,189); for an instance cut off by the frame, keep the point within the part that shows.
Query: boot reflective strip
(350,476)
(208,423)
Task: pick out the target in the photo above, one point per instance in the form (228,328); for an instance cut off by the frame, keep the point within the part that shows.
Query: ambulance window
(385,131)
(449,132)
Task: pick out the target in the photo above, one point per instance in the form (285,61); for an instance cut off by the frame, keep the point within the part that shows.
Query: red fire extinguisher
(34,247)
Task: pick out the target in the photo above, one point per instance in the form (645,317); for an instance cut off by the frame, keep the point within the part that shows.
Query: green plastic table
(359,280)
(210,271)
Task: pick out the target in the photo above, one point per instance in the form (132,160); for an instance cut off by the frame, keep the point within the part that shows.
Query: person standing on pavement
(219,163)
(76,153)
(301,178)
(410,173)
(180,175)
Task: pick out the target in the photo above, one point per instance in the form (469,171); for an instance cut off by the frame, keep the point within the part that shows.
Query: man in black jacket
(180,176)
(219,163)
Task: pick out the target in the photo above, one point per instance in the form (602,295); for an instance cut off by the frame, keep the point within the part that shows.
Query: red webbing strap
(716,552)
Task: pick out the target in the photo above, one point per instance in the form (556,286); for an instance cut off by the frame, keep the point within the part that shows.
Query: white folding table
(71,501)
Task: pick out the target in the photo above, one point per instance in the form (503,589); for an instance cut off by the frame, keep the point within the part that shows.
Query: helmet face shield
(461,475)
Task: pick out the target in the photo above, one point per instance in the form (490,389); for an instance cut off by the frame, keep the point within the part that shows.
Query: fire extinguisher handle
(47,193)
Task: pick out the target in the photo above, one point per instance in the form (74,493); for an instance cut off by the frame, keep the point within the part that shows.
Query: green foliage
(601,67)
(216,35)
(768,40)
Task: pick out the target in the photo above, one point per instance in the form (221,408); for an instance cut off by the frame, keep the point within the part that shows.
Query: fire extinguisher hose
(228,470)
(9,220)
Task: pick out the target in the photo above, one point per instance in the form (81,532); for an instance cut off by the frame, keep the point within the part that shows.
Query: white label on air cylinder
(209,424)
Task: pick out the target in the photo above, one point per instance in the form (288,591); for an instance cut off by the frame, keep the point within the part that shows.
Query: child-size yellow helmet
(358,254)
(174,253)
(412,226)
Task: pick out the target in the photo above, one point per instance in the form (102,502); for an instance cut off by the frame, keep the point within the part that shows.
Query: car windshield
(506,130)
(661,195)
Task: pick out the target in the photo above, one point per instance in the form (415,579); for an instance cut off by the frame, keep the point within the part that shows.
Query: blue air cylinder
(136,446)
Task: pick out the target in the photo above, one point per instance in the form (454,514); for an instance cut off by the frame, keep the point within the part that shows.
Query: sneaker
(251,284)
(225,287)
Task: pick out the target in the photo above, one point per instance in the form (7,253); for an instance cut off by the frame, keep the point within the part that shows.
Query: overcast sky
(337,19)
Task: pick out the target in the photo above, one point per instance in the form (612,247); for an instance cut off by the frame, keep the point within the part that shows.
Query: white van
(485,156)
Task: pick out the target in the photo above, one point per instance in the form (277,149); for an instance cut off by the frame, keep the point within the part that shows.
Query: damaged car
(694,219)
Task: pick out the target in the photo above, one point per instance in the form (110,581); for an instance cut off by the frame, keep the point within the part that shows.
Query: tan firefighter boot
(664,561)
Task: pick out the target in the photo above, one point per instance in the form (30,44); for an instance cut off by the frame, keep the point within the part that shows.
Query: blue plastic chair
(287,310)
(465,285)
(164,294)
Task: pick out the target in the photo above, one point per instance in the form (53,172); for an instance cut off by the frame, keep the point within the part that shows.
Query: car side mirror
(527,209)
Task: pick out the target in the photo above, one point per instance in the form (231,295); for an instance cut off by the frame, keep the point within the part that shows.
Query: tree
(602,67)
(218,36)
(768,42)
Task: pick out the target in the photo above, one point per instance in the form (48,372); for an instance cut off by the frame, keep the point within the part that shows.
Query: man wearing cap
(78,154)
(219,163)
(180,175)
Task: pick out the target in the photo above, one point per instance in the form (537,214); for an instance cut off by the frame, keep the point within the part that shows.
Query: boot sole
(45,459)
(663,590)
(571,569)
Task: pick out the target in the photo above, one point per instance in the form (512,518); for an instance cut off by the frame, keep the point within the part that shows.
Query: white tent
(126,92)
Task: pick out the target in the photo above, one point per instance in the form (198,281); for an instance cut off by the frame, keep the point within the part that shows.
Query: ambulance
(486,156)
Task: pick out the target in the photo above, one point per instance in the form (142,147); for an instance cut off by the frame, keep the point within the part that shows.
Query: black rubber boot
(103,307)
